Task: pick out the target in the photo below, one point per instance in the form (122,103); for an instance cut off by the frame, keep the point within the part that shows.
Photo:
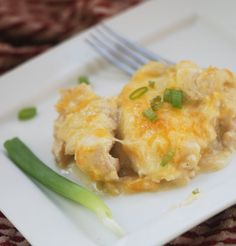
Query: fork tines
(124,54)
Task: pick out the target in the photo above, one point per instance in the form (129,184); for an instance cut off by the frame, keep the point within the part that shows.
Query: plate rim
(59,50)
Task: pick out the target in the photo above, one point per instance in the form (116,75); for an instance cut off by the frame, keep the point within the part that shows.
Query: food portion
(84,131)
(167,124)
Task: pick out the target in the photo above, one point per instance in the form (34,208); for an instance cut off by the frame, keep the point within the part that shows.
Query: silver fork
(124,54)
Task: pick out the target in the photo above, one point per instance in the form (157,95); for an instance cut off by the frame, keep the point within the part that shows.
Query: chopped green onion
(157,99)
(25,159)
(150,114)
(156,106)
(177,98)
(167,95)
(174,96)
(138,93)
(167,157)
(83,79)
(156,103)
(27,113)
(196,191)
(151,84)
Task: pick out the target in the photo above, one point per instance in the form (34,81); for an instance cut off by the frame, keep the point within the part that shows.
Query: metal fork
(124,54)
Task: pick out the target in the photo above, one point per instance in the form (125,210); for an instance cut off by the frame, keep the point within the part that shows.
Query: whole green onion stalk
(25,159)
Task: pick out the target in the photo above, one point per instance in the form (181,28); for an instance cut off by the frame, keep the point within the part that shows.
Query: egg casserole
(166,125)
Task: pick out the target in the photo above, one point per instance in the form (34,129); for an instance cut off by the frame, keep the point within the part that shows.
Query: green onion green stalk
(138,93)
(150,114)
(175,97)
(167,157)
(25,159)
(156,103)
(27,113)
(83,80)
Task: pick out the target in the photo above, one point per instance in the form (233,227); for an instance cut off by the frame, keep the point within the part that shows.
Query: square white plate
(202,31)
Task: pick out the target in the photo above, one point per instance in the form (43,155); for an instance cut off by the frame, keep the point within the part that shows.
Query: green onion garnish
(138,93)
(27,113)
(151,84)
(177,98)
(25,159)
(167,157)
(196,191)
(156,106)
(156,103)
(157,99)
(150,114)
(173,96)
(83,79)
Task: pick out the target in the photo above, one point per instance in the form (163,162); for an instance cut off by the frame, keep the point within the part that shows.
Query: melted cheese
(146,142)
(201,133)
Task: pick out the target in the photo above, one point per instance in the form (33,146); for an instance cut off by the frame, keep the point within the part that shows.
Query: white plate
(199,30)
